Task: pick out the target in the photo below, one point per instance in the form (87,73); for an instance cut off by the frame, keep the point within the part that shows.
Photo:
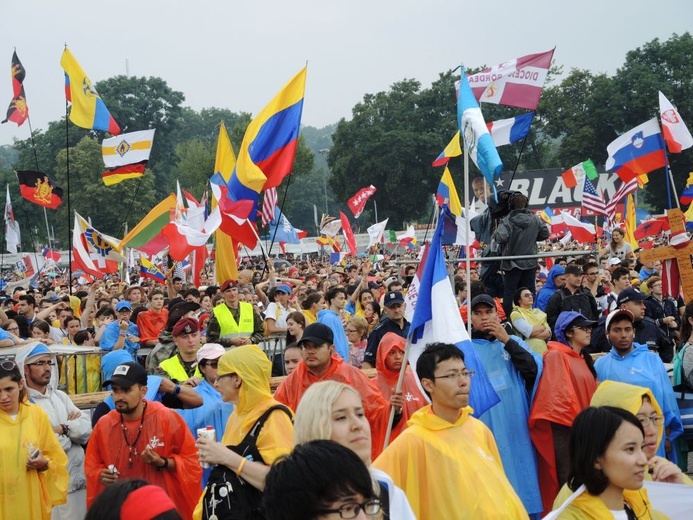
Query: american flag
(268,205)
(622,192)
(591,200)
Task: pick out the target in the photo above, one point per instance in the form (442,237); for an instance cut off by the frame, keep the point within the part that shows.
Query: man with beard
(141,439)
(71,425)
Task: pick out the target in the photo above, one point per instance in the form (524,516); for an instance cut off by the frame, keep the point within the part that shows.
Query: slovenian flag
(477,139)
(507,131)
(436,318)
(638,151)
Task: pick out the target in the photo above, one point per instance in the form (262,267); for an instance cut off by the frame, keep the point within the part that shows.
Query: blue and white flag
(437,318)
(285,232)
(477,139)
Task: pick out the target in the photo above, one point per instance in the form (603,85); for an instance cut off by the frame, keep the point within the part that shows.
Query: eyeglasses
(352,510)
(527,295)
(12,328)
(350,331)
(213,364)
(226,375)
(41,364)
(8,365)
(464,374)
(657,420)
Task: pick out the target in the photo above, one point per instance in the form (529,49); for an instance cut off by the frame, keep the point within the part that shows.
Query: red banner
(348,234)
(357,203)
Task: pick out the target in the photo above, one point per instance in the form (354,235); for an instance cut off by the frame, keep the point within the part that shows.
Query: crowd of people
(271,396)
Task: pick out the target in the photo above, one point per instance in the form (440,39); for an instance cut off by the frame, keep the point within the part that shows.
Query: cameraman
(518,234)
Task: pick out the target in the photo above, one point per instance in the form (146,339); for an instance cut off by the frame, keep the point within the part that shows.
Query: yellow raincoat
(277,435)
(450,470)
(29,493)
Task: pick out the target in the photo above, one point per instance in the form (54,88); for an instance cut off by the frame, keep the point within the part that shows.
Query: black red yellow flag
(18,110)
(38,188)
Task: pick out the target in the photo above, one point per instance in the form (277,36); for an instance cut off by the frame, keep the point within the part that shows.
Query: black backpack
(229,497)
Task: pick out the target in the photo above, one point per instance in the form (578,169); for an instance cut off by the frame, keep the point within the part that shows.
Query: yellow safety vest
(228,328)
(175,370)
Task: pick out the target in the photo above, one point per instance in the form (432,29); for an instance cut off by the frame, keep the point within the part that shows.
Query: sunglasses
(8,365)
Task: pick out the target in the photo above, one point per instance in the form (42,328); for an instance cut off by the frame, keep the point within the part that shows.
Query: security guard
(234,323)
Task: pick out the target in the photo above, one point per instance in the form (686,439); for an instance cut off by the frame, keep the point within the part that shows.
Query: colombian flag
(88,109)
(267,152)
(447,194)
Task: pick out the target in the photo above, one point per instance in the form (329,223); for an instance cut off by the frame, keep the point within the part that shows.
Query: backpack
(228,496)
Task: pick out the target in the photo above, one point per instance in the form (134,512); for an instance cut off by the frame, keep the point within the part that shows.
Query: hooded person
(33,475)
(258,432)
(564,390)
(388,364)
(38,366)
(633,398)
(550,287)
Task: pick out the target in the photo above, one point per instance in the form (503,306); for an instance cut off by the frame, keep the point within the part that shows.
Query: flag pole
(466,239)
(398,388)
(281,210)
(33,146)
(375,208)
(517,162)
(67,169)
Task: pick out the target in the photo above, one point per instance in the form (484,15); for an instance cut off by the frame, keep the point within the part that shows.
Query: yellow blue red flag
(88,109)
(447,194)
(453,149)
(267,152)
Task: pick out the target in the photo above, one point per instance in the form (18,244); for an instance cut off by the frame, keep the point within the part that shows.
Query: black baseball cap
(128,374)
(629,294)
(485,299)
(317,333)
(393,298)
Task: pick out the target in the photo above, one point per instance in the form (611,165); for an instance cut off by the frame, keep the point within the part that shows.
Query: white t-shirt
(277,313)
(619,515)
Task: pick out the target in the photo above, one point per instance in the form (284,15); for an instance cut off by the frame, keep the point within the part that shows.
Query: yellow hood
(628,397)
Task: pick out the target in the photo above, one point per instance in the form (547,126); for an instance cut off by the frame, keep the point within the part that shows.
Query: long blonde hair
(313,419)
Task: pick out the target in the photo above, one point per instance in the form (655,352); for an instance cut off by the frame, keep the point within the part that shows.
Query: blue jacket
(549,288)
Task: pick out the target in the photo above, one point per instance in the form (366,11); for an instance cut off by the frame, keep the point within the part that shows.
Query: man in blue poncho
(554,280)
(513,369)
(633,363)
(213,412)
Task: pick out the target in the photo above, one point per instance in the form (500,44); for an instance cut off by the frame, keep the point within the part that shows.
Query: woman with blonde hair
(334,411)
(357,333)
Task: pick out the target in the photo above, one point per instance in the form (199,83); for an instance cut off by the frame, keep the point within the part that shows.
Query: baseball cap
(485,299)
(210,351)
(393,298)
(128,374)
(629,294)
(227,284)
(123,304)
(580,321)
(615,261)
(283,288)
(541,276)
(390,280)
(186,326)
(317,333)
(619,312)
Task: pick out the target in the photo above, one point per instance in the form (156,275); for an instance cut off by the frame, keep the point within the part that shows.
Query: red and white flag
(183,239)
(348,234)
(80,250)
(515,83)
(581,231)
(269,202)
(357,203)
(671,279)
(675,131)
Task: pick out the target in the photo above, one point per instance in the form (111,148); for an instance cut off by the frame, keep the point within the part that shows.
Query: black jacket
(581,301)
(387,325)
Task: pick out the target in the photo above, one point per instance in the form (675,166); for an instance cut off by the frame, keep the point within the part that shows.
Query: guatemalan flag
(638,151)
(436,318)
(507,131)
(477,139)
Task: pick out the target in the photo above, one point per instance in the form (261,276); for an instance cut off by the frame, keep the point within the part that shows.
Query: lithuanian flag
(146,236)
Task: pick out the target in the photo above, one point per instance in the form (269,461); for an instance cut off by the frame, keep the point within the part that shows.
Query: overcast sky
(237,54)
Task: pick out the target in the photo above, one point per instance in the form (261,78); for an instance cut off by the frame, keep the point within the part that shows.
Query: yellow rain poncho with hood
(586,506)
(276,438)
(450,470)
(29,493)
